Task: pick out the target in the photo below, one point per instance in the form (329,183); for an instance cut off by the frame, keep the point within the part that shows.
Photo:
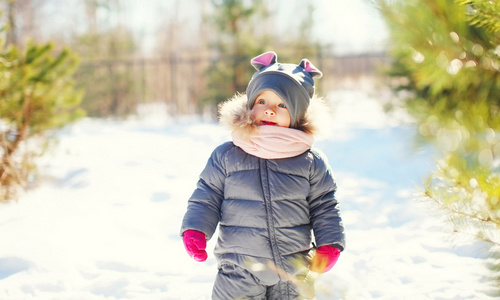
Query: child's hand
(195,243)
(324,259)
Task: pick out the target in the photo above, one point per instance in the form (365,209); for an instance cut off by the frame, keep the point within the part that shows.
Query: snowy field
(105,222)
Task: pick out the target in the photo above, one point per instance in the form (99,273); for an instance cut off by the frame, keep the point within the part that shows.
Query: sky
(353,24)
(347,25)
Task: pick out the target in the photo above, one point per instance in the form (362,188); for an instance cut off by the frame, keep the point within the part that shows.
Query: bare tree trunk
(91,13)
(11,30)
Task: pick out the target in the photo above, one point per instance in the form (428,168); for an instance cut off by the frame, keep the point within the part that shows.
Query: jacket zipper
(269,215)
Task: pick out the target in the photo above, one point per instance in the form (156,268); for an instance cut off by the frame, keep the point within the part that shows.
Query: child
(268,191)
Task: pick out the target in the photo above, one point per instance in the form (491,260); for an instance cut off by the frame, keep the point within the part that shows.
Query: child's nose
(270,112)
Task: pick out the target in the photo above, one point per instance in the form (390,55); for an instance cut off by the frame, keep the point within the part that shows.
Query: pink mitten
(195,243)
(324,259)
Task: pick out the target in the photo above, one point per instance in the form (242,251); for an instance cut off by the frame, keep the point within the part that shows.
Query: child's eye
(282,105)
(261,101)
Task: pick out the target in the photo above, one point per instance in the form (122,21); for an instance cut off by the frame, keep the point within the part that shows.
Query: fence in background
(180,81)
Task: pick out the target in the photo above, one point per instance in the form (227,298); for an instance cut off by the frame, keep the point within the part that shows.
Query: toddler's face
(268,109)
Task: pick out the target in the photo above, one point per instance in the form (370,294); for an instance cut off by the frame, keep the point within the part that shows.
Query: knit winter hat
(294,84)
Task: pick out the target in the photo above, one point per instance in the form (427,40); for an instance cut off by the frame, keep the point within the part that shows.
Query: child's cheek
(255,115)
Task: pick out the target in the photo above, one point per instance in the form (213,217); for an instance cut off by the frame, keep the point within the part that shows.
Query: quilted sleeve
(324,209)
(203,211)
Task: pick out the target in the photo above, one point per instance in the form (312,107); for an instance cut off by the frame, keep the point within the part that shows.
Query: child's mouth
(267,123)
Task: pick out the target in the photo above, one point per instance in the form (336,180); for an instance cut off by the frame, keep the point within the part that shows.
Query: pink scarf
(274,142)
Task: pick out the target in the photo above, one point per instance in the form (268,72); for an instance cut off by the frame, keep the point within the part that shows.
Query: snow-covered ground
(105,222)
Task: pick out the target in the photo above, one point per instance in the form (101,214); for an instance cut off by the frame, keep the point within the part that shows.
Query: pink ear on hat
(264,60)
(310,68)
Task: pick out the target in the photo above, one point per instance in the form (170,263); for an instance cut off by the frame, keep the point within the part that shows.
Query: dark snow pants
(233,282)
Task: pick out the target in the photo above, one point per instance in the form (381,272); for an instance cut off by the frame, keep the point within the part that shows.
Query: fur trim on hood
(235,115)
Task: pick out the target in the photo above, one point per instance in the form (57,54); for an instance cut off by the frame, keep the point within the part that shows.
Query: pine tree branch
(475,216)
(468,216)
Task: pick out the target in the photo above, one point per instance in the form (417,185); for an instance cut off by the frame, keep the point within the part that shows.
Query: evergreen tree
(447,61)
(36,95)
(237,41)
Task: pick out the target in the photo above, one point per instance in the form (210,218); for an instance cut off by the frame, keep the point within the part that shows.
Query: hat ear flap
(264,60)
(310,68)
